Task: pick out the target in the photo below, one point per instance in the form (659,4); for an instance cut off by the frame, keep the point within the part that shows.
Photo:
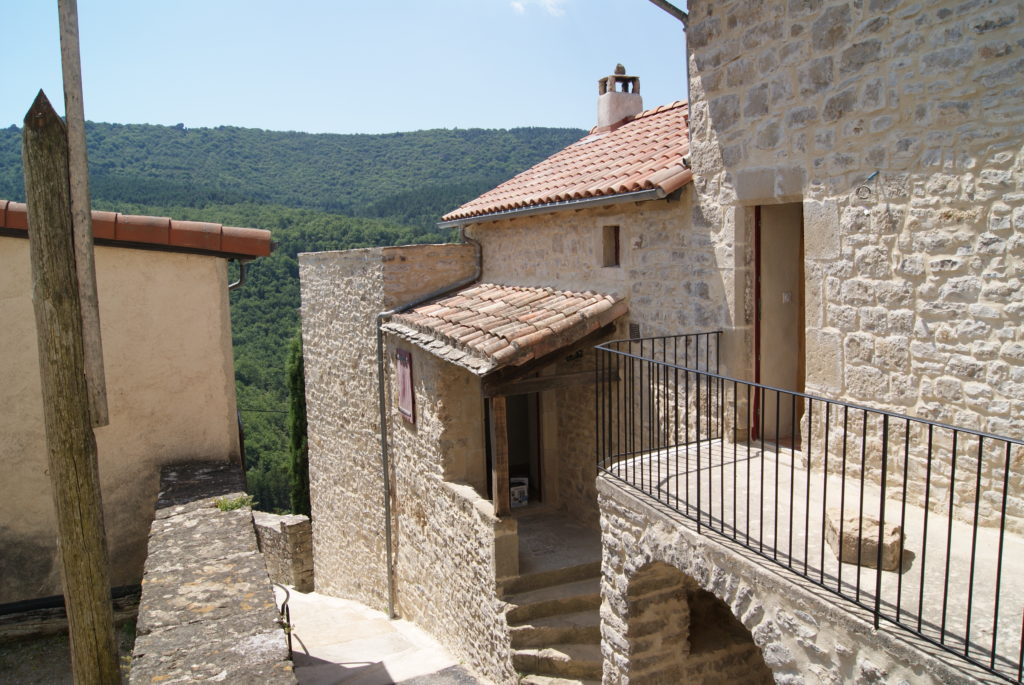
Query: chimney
(618,98)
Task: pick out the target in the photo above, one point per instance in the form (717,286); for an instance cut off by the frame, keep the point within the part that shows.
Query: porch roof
(486,327)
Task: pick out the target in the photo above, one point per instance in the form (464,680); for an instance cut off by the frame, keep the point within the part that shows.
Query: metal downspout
(684,17)
(382,405)
(241,275)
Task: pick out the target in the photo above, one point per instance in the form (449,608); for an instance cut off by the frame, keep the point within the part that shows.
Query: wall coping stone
(207,608)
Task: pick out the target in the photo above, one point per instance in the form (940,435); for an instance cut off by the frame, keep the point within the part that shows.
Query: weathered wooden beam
(544,383)
(70,444)
(81,211)
(499,455)
(512,373)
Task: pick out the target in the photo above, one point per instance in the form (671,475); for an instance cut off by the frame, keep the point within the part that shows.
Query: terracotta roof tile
(522,323)
(644,153)
(113,228)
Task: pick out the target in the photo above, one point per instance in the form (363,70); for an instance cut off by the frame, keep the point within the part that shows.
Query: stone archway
(677,632)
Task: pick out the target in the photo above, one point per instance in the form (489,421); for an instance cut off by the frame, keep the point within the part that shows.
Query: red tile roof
(112,228)
(485,326)
(644,153)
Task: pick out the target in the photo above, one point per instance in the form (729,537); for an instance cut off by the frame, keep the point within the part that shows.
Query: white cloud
(553,7)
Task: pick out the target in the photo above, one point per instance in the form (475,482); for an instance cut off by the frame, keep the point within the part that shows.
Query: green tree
(297,444)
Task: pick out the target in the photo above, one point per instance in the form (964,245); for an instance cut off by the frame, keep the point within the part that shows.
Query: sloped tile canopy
(644,153)
(487,327)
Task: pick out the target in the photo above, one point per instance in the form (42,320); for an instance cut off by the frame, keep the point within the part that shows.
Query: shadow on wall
(686,634)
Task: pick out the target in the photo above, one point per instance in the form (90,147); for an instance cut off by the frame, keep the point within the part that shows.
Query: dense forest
(313,192)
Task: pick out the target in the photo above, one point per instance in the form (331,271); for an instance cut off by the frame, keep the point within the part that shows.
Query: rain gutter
(382,404)
(582,203)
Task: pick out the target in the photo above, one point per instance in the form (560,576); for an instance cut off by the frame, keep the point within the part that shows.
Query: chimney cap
(618,98)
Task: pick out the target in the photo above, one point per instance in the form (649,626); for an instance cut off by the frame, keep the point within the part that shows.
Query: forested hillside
(313,192)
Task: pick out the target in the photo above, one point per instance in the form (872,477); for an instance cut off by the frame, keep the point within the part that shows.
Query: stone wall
(207,610)
(286,542)
(342,292)
(803,635)
(678,274)
(445,534)
(446,557)
(166,332)
(913,292)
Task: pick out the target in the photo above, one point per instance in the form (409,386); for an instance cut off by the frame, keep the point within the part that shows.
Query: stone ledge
(207,608)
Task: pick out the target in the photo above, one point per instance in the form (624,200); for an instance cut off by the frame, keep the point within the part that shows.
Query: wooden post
(70,444)
(81,211)
(499,455)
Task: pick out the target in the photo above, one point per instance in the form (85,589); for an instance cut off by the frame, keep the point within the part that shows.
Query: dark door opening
(524,444)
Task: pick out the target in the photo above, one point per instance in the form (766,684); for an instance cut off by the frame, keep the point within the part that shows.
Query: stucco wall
(170,389)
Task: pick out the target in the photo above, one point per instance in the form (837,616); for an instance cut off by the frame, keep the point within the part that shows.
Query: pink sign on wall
(406,398)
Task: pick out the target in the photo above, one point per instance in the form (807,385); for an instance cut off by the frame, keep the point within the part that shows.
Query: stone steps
(565,598)
(548,680)
(578,626)
(560,660)
(555,625)
(558,576)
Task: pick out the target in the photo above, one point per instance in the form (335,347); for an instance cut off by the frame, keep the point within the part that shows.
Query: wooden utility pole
(81,210)
(70,444)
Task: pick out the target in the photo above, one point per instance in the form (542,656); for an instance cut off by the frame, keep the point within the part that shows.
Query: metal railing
(805,481)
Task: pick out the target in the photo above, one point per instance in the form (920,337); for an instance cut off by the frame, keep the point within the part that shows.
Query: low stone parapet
(207,610)
(287,545)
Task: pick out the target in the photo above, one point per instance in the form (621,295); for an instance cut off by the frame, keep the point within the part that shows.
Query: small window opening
(610,244)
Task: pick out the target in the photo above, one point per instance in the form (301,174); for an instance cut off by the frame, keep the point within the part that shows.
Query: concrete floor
(550,540)
(773,505)
(341,641)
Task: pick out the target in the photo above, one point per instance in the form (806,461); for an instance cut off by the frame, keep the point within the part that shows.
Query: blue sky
(345,66)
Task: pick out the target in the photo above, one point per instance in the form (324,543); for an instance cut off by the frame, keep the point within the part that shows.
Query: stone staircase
(554,621)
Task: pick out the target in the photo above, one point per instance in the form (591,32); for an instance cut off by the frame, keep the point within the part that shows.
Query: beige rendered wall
(170,387)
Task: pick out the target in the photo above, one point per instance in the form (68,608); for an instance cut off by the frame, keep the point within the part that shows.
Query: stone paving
(769,503)
(342,641)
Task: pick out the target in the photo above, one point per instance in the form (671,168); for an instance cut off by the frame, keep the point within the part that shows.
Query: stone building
(166,329)
(813,272)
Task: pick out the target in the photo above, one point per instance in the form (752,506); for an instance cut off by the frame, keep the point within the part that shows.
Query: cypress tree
(297,445)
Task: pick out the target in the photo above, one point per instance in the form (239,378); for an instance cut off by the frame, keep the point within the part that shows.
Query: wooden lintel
(544,383)
(499,456)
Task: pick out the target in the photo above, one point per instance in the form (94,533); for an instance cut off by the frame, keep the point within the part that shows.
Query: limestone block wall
(166,331)
(897,125)
(286,542)
(678,271)
(803,636)
(913,292)
(342,293)
(444,531)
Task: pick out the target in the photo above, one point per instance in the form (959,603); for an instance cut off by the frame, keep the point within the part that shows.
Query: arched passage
(677,632)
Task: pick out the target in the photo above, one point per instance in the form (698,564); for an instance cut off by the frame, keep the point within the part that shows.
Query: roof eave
(656,193)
